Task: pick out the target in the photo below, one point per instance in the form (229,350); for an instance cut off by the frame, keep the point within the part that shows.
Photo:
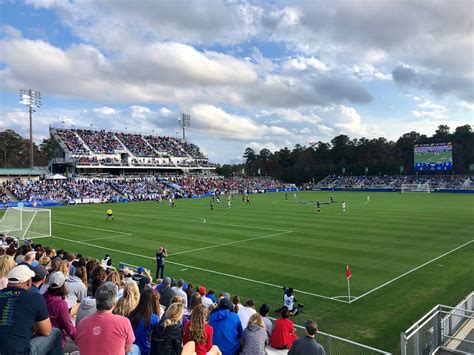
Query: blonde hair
(174,313)
(64,267)
(45,261)
(176,299)
(256,319)
(6,264)
(114,277)
(129,300)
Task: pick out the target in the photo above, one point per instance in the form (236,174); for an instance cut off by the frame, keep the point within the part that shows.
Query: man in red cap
(206,301)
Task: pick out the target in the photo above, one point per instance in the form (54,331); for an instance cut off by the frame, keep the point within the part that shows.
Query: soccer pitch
(407,252)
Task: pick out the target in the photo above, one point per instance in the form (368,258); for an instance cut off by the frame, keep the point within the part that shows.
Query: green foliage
(379,155)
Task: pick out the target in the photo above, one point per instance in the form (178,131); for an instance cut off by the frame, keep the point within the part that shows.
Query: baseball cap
(311,327)
(202,290)
(57,280)
(20,274)
(40,272)
(140,269)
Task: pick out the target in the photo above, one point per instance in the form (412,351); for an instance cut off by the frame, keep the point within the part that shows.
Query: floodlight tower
(184,120)
(32,99)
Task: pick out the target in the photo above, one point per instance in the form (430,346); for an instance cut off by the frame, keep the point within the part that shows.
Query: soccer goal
(26,223)
(415,188)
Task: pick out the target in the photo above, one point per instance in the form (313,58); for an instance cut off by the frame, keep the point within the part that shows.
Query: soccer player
(211,203)
(247,200)
(368,199)
(332,200)
(286,195)
(110,215)
(294,196)
(218,200)
(228,203)
(318,206)
(343,205)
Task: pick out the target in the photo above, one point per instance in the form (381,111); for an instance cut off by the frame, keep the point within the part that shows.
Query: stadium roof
(35,171)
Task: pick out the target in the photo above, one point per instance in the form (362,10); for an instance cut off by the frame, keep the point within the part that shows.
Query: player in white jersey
(368,199)
(343,205)
(294,196)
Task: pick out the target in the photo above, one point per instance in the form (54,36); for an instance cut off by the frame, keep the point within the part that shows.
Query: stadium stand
(92,150)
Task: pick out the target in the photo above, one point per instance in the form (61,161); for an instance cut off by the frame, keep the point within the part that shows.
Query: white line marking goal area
(341,299)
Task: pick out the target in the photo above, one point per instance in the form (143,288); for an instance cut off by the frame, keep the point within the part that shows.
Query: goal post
(415,188)
(26,223)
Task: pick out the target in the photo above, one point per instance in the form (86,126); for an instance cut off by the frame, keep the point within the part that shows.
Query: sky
(259,74)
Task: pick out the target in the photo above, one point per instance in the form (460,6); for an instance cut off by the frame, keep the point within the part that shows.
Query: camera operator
(161,254)
(289,301)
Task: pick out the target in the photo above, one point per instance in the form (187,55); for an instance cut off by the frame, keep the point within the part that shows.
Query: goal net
(26,223)
(415,188)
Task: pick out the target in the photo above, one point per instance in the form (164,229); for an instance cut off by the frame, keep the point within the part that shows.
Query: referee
(110,215)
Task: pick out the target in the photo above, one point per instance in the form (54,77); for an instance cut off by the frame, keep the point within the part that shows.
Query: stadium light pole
(32,99)
(184,120)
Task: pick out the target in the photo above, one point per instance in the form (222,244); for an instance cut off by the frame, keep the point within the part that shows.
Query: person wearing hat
(55,298)
(39,278)
(166,292)
(142,278)
(307,345)
(20,311)
(206,301)
(227,328)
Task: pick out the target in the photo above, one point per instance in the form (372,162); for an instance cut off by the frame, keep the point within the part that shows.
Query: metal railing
(441,327)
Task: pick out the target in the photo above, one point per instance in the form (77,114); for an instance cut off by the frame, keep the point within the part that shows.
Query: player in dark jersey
(318,206)
(211,203)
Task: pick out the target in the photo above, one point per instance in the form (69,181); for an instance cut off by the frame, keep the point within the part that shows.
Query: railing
(442,327)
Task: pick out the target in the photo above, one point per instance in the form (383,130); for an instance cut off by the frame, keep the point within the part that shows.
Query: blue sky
(258,74)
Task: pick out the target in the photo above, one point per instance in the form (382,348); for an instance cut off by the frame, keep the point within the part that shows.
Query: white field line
(200,269)
(410,271)
(230,243)
(109,237)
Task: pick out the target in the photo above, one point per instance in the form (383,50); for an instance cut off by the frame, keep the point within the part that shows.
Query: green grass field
(432,157)
(254,250)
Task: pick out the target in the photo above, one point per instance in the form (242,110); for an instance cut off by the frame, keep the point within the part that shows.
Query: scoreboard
(433,157)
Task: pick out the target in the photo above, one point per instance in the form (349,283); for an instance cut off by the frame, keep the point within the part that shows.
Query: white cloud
(431,115)
(165,112)
(218,124)
(349,120)
(107,111)
(429,104)
(10,31)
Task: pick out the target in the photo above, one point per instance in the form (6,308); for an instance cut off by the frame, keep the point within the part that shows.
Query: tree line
(343,155)
(15,151)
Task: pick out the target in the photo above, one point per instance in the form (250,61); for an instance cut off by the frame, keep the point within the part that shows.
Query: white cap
(20,274)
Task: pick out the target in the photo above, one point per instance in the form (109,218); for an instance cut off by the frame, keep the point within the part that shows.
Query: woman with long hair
(55,298)
(197,330)
(143,318)
(76,286)
(115,278)
(167,335)
(6,264)
(189,292)
(255,336)
(129,301)
(236,303)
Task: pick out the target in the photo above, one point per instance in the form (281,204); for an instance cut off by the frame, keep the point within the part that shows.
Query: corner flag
(348,276)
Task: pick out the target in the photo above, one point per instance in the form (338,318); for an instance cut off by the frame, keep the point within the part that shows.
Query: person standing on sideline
(161,254)
(343,205)
(307,345)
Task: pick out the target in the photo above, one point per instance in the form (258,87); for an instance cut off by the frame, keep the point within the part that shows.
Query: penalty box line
(201,269)
(116,234)
(410,271)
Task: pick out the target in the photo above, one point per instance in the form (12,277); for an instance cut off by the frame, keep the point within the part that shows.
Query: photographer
(161,254)
(289,301)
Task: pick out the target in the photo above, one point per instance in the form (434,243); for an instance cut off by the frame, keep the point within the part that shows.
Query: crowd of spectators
(90,189)
(169,145)
(137,145)
(72,142)
(76,303)
(139,189)
(100,142)
(394,182)
(31,190)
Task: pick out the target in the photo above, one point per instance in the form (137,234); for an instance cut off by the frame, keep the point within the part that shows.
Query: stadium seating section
(99,148)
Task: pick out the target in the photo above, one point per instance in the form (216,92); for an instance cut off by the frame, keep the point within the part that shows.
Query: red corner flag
(348,272)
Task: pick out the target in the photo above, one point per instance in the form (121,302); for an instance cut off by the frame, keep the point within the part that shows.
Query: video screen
(434,157)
